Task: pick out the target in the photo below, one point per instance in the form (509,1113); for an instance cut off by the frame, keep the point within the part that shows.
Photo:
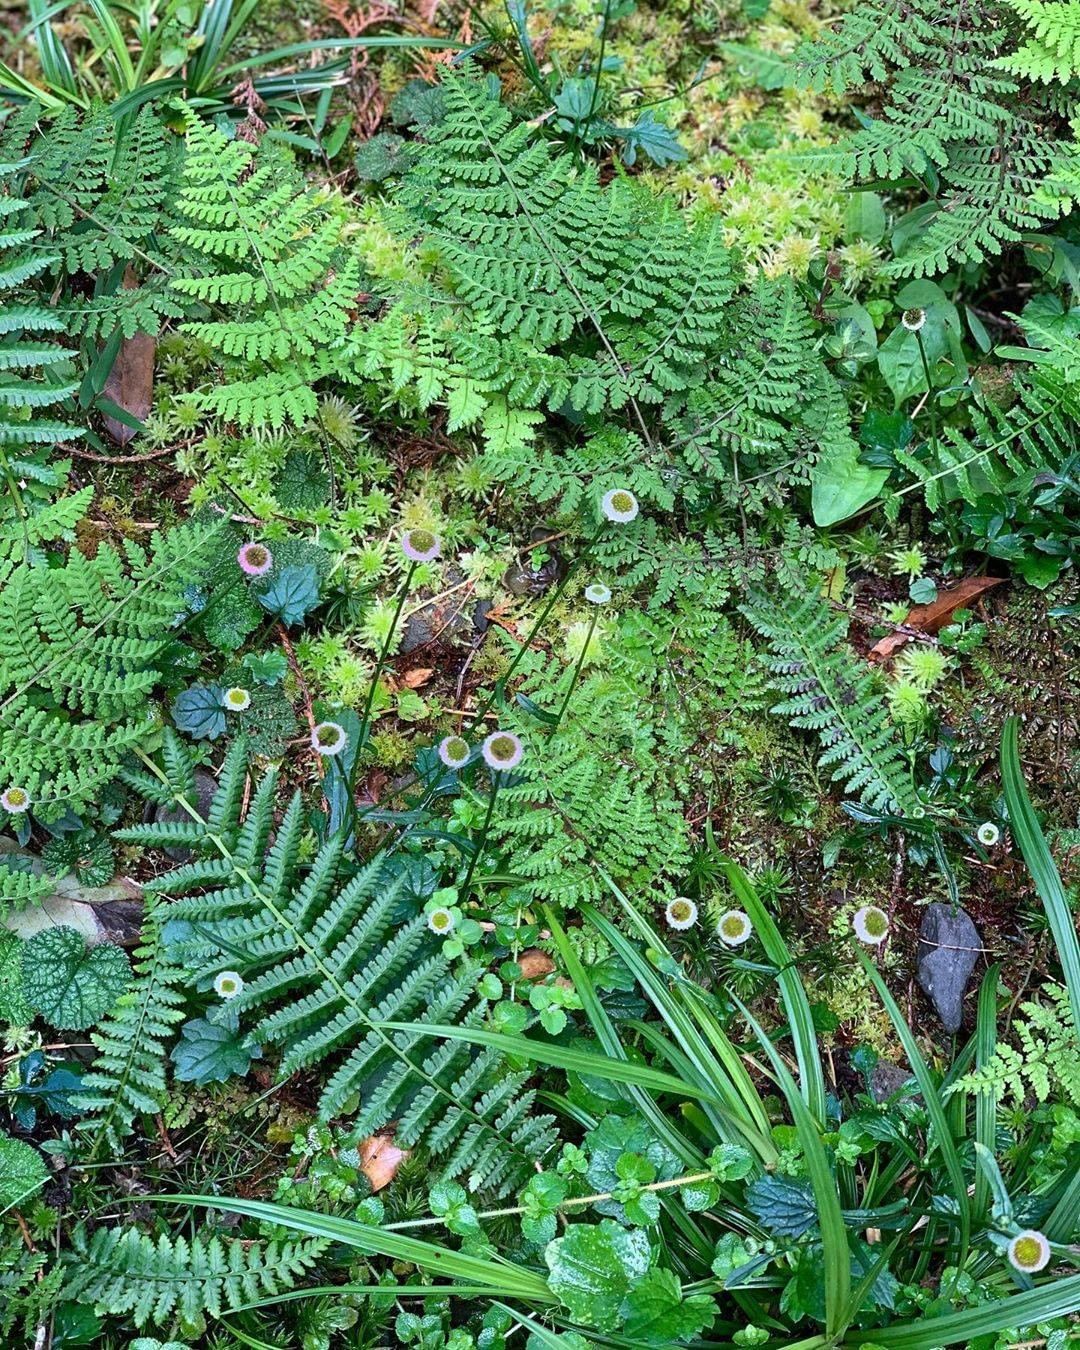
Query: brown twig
(294,666)
(119,459)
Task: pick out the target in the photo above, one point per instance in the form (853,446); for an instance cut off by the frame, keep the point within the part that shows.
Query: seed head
(420,545)
(255,559)
(871,925)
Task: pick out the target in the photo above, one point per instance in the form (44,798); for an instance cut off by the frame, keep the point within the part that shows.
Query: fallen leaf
(933,617)
(413,679)
(380,1159)
(535,964)
(131,381)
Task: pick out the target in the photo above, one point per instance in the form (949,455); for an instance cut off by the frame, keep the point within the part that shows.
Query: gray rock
(205,787)
(110,913)
(523,579)
(887,1080)
(949,946)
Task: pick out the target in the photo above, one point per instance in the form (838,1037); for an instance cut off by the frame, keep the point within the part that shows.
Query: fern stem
(496,782)
(577,669)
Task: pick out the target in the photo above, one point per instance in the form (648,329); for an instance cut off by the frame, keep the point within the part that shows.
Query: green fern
(1051,52)
(128,1075)
(954,113)
(269,252)
(829,691)
(326,956)
(1045,1060)
(121,1272)
(81,648)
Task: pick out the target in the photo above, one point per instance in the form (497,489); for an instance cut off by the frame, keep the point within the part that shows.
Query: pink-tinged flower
(619,505)
(734,928)
(871,925)
(681,913)
(16,800)
(420,545)
(255,560)
(454,751)
(503,751)
(329,738)
(1029,1252)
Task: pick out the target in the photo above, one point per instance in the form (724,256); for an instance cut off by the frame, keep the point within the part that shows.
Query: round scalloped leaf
(22,1172)
(70,984)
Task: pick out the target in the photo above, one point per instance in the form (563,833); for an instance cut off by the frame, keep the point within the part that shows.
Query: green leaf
(265,667)
(864,218)
(840,486)
(658,141)
(593,1267)
(70,984)
(22,1172)
(200,711)
(656,1313)
(211,1052)
(292,593)
(784,1205)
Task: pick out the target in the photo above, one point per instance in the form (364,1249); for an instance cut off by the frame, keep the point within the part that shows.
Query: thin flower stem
(496,780)
(668,1185)
(931,401)
(577,669)
(402,595)
(556,595)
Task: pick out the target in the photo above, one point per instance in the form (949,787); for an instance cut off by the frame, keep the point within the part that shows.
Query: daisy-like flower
(454,751)
(734,928)
(503,750)
(681,913)
(871,925)
(420,545)
(1029,1252)
(597,594)
(255,559)
(441,921)
(913,319)
(15,800)
(988,834)
(619,505)
(237,699)
(328,738)
(228,984)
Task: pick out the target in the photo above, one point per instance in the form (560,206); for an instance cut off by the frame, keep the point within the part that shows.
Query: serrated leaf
(211,1052)
(593,1267)
(200,711)
(658,141)
(70,984)
(656,1313)
(22,1172)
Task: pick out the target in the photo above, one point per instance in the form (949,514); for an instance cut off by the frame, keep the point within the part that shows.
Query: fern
(328,956)
(122,1272)
(1051,50)
(829,691)
(1045,1060)
(128,1076)
(270,253)
(80,653)
(954,113)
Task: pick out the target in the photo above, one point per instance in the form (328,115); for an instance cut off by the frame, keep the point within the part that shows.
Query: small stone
(887,1080)
(949,946)
(523,579)
(205,787)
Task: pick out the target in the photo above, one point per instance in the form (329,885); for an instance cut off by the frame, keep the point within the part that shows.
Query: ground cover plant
(540,675)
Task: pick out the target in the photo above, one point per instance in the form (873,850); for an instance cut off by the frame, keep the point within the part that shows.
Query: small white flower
(228,984)
(328,738)
(503,750)
(454,751)
(237,699)
(734,928)
(988,834)
(441,921)
(681,913)
(913,319)
(871,925)
(597,594)
(1029,1252)
(16,800)
(619,505)
(420,545)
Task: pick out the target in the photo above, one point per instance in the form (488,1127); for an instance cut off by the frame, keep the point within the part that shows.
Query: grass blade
(986,1100)
(1032,844)
(792,991)
(932,1097)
